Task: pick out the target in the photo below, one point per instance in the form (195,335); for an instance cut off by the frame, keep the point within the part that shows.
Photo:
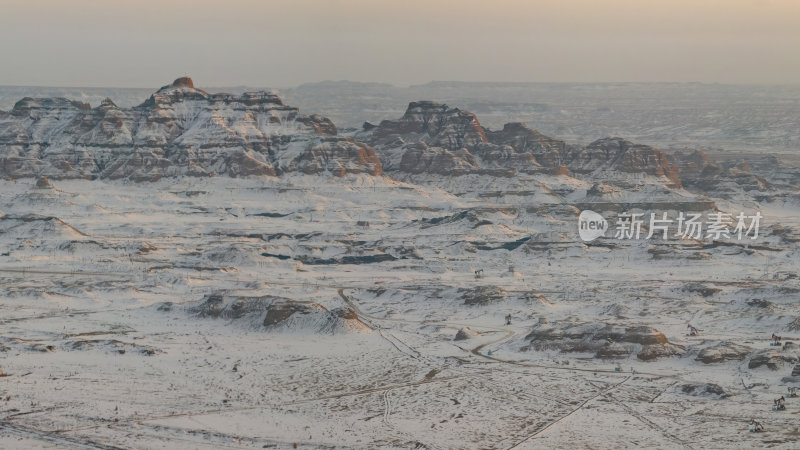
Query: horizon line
(388,84)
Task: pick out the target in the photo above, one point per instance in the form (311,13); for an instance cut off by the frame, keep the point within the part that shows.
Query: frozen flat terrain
(318,311)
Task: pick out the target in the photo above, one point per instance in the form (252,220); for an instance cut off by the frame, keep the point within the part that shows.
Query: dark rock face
(276,313)
(465,333)
(219,305)
(179,130)
(482,295)
(111,346)
(308,316)
(701,289)
(603,340)
(43,183)
(723,352)
(704,390)
(760,303)
(771,359)
(280,312)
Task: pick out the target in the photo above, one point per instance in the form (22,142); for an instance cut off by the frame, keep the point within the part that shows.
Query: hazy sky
(274,43)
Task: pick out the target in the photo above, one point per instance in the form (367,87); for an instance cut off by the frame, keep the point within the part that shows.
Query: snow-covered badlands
(362,312)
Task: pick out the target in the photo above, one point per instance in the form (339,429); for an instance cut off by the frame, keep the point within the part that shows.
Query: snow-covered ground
(133,316)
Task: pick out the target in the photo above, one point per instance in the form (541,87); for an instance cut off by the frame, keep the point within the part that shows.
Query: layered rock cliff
(179,130)
(435,138)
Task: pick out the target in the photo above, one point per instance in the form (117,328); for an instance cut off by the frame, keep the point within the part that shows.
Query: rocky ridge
(179,130)
(435,138)
(183,130)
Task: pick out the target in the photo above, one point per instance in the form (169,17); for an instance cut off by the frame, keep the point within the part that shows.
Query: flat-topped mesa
(624,156)
(179,130)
